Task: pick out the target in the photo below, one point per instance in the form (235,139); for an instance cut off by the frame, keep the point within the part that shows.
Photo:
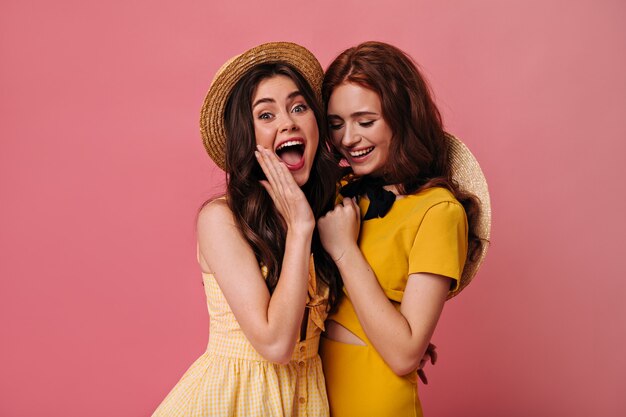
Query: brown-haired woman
(267,296)
(406,255)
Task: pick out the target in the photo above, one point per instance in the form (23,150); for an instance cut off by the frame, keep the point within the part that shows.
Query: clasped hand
(339,228)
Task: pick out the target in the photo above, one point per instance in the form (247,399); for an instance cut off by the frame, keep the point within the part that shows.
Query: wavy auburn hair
(418,152)
(253,209)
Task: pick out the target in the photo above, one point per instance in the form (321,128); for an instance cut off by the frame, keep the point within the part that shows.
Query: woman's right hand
(339,228)
(287,196)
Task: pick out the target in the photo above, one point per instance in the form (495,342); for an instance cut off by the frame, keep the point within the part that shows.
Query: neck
(392,187)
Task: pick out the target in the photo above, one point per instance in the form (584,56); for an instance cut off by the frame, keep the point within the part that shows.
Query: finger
(269,169)
(357,208)
(260,156)
(433,357)
(350,204)
(286,176)
(282,174)
(426,358)
(422,376)
(269,184)
(269,162)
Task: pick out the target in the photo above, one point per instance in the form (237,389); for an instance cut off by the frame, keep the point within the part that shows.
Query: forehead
(277,86)
(350,97)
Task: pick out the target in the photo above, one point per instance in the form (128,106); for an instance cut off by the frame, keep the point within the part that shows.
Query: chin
(359,171)
(301,179)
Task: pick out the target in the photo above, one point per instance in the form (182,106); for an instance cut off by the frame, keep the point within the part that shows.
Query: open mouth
(361,152)
(291,152)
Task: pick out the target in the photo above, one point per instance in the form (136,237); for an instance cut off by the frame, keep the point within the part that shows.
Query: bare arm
(400,337)
(271,323)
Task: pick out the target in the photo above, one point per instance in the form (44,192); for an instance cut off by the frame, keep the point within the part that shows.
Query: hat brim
(212,114)
(466,172)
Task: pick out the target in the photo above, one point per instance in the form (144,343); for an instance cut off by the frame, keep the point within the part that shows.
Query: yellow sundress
(232,379)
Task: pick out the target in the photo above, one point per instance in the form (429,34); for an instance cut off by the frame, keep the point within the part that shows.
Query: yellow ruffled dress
(232,379)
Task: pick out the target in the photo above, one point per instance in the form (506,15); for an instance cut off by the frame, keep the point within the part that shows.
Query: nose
(350,137)
(287,123)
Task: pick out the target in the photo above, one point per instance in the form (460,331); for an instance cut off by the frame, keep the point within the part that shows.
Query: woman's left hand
(339,228)
(429,356)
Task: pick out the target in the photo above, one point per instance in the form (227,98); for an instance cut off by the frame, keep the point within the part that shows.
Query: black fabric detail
(381,200)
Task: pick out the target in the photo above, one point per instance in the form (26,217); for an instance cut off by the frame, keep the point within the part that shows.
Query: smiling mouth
(361,152)
(291,152)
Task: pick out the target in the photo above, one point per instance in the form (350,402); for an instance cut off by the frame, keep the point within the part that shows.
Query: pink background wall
(102,171)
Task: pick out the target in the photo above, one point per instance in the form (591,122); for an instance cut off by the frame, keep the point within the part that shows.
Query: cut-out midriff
(338,333)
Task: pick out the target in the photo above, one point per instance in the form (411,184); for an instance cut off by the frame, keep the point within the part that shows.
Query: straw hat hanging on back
(468,175)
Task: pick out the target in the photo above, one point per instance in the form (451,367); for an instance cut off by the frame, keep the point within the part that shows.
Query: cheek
(263,136)
(384,137)
(335,138)
(313,133)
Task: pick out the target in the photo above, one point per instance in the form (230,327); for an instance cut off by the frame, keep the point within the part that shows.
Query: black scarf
(381,200)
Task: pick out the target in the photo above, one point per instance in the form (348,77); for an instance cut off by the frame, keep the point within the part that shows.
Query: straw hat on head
(212,113)
(468,175)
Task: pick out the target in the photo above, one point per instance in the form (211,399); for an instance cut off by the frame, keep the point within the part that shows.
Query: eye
(335,126)
(265,116)
(299,108)
(366,124)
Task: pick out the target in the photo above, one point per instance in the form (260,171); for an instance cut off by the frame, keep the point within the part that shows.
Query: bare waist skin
(338,333)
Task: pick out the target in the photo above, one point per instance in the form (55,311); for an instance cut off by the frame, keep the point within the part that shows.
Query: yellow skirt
(359,383)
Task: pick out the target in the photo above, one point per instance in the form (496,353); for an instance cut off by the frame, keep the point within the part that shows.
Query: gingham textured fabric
(232,379)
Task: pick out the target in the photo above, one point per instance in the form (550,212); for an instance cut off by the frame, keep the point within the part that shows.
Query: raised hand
(339,228)
(288,198)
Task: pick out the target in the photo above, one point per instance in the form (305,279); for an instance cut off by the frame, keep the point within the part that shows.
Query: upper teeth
(290,143)
(361,152)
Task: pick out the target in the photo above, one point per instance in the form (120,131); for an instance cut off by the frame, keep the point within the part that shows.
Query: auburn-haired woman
(407,236)
(266,276)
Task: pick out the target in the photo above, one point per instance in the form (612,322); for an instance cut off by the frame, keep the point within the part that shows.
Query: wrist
(346,256)
(300,232)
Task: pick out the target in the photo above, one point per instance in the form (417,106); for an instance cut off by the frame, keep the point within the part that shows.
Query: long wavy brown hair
(418,152)
(253,209)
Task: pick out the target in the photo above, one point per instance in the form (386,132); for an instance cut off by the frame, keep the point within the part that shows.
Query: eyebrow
(356,114)
(271,100)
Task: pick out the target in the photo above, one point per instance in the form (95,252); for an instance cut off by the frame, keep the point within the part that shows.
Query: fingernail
(257,154)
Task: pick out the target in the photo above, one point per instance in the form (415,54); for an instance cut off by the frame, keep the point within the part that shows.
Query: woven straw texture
(468,175)
(212,113)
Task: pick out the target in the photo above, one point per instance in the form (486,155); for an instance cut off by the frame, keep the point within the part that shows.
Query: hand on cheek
(287,196)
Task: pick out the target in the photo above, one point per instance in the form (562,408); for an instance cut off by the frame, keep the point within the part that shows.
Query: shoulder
(215,215)
(218,235)
(423,200)
(435,202)
(435,195)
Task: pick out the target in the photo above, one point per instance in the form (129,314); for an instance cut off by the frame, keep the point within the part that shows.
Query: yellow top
(424,232)
(232,379)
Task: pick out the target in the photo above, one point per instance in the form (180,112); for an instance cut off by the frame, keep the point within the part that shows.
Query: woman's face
(284,123)
(358,129)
